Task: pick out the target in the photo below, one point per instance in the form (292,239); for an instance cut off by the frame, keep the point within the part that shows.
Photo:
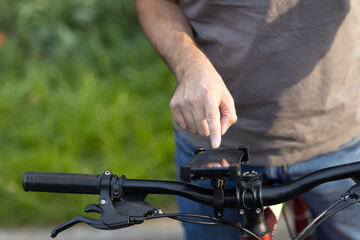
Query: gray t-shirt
(293,68)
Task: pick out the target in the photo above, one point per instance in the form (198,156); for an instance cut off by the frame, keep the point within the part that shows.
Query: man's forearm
(169,32)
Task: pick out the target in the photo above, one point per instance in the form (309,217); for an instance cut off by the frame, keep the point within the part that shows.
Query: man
(285,74)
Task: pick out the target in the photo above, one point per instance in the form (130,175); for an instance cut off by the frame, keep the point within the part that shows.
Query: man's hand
(201,94)
(198,100)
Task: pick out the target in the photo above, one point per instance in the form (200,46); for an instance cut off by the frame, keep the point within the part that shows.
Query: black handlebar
(62,182)
(90,184)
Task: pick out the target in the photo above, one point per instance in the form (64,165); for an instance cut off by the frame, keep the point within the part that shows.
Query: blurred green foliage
(81,90)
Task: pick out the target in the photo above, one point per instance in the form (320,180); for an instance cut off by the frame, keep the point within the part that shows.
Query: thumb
(228,112)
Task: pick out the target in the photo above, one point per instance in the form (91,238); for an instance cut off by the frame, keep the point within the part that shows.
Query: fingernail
(214,143)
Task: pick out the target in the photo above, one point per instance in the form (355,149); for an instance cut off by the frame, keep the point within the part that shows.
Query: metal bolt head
(102,202)
(253,173)
(242,211)
(258,210)
(107,172)
(158,211)
(346,197)
(199,149)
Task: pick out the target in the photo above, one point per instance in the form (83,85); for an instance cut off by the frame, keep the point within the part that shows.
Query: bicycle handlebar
(61,182)
(90,184)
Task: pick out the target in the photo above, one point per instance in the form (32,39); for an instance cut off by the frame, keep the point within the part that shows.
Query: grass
(91,98)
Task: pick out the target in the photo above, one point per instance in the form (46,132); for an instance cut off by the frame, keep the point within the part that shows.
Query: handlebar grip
(61,182)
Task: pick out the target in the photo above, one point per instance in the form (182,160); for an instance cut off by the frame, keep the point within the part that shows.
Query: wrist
(188,60)
(194,67)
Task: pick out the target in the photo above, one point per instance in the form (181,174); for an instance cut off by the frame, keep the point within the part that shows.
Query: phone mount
(116,211)
(199,168)
(196,169)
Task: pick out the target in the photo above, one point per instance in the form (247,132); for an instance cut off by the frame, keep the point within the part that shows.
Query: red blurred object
(302,214)
(270,221)
(2,39)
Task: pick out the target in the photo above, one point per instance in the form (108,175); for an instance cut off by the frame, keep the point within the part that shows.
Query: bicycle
(122,201)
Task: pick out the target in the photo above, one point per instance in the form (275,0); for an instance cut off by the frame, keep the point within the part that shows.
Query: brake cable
(352,193)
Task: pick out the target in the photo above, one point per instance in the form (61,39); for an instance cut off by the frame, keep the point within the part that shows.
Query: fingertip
(215,143)
(216,164)
(224,163)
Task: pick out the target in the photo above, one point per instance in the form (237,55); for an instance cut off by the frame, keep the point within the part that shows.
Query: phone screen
(217,156)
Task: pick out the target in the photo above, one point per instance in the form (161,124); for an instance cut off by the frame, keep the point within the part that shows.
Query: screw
(107,172)
(102,202)
(258,210)
(199,149)
(116,192)
(242,211)
(250,174)
(158,211)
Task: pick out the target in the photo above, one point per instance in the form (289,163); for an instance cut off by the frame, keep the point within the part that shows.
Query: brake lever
(96,223)
(114,214)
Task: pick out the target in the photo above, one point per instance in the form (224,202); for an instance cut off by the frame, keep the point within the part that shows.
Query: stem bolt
(258,210)
(102,202)
(241,211)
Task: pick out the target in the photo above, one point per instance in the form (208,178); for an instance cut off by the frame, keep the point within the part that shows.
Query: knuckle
(192,100)
(210,116)
(229,97)
(233,119)
(213,131)
(210,97)
(206,93)
(174,104)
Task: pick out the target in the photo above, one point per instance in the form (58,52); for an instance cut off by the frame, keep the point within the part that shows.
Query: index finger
(213,120)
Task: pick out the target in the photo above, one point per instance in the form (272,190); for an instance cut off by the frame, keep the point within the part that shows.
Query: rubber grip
(61,182)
